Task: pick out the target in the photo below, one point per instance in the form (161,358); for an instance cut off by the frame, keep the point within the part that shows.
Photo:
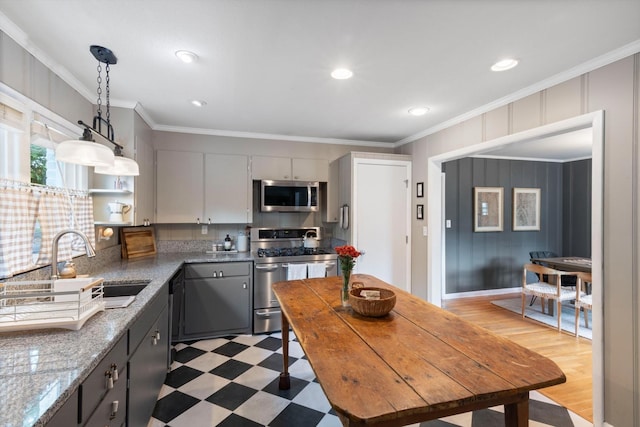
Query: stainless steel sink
(121,288)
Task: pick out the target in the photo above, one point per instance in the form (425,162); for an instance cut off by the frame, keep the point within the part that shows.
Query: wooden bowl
(372,308)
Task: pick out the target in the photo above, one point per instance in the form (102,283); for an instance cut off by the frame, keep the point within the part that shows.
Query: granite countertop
(40,369)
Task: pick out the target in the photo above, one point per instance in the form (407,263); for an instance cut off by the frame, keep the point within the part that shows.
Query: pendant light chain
(99,91)
(107,87)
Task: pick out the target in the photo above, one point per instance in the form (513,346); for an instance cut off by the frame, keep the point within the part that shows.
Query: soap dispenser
(227,243)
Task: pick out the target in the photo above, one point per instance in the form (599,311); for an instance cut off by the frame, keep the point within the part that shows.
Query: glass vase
(346,287)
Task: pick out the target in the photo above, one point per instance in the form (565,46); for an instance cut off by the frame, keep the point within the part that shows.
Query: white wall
(614,89)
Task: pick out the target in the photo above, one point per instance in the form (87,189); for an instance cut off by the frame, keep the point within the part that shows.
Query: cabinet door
(143,184)
(331,209)
(147,371)
(217,306)
(67,415)
(179,187)
(112,410)
(310,169)
(227,189)
(265,167)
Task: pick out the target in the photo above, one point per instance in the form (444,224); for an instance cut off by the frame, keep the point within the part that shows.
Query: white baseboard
(484,293)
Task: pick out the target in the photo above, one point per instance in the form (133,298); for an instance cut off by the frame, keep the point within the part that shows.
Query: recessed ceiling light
(199,103)
(418,111)
(505,64)
(186,56)
(341,74)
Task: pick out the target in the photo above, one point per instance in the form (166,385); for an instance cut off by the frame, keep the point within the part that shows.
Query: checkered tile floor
(233,381)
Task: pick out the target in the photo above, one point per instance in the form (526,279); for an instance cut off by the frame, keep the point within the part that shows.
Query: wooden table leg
(517,414)
(285,381)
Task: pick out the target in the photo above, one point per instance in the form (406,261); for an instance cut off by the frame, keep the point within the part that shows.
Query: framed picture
(420,211)
(420,189)
(526,209)
(487,209)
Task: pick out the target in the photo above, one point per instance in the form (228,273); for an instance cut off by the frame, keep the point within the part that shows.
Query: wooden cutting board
(137,242)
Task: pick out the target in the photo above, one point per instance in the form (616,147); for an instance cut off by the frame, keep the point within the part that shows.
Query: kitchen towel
(317,269)
(296,271)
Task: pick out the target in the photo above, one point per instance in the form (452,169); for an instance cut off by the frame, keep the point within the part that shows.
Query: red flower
(347,255)
(347,251)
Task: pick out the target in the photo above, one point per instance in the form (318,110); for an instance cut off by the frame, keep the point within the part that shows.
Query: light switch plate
(447,223)
(424,230)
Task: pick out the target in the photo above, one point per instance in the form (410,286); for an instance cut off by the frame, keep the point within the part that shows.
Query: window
(38,195)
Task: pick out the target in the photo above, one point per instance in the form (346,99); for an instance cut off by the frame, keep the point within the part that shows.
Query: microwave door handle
(308,196)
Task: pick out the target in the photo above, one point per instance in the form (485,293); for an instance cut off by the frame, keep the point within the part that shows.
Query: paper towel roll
(242,243)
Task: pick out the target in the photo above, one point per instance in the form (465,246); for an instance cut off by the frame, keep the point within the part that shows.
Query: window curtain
(82,220)
(11,118)
(54,214)
(17,224)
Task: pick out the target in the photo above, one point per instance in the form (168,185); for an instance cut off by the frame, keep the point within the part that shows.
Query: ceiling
(264,65)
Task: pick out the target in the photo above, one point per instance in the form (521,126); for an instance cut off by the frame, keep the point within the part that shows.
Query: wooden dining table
(567,263)
(415,364)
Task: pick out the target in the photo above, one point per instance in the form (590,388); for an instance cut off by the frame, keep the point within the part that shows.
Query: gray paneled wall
(493,260)
(576,220)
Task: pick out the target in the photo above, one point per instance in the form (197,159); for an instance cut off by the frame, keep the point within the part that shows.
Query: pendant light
(86,151)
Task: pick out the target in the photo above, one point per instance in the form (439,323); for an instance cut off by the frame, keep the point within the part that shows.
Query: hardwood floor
(571,354)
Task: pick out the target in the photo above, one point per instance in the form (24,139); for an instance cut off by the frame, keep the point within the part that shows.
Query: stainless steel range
(277,253)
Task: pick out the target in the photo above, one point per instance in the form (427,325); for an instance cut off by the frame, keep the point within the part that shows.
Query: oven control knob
(215,274)
(220,274)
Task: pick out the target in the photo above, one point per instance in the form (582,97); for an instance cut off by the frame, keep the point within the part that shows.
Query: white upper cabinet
(227,196)
(179,187)
(290,169)
(202,188)
(263,167)
(331,211)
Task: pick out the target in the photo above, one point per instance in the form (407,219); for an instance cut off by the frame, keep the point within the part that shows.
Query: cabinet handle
(109,380)
(114,409)
(155,338)
(215,274)
(244,285)
(114,370)
(197,220)
(220,274)
(295,177)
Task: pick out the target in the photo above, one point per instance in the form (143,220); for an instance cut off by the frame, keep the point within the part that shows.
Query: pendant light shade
(87,153)
(122,166)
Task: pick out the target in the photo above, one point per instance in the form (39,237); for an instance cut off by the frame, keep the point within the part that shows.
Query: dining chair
(546,290)
(583,300)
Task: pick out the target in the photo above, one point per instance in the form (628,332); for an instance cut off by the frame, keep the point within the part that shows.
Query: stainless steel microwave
(288,196)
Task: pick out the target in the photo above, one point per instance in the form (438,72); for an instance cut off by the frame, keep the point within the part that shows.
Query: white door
(382,198)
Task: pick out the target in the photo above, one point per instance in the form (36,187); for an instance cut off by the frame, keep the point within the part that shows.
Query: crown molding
(276,137)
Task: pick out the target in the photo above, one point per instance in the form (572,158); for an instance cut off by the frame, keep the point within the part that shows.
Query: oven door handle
(328,264)
(267,313)
(267,267)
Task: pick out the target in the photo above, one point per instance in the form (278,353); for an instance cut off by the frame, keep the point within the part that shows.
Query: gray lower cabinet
(148,341)
(217,299)
(112,410)
(68,414)
(123,388)
(106,384)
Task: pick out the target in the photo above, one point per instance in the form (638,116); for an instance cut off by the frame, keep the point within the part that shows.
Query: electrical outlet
(205,229)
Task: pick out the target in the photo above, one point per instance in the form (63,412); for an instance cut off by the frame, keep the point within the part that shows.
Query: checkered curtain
(83,220)
(54,213)
(17,223)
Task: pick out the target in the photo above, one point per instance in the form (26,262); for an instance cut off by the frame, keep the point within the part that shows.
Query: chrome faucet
(54,249)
